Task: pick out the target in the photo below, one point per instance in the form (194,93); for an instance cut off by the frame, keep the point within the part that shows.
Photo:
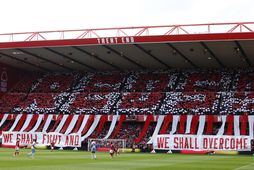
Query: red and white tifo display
(136,106)
(166,132)
(204,142)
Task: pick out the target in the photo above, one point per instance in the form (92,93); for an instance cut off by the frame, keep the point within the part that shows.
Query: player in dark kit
(252,146)
(112,150)
(117,151)
(52,146)
(17,146)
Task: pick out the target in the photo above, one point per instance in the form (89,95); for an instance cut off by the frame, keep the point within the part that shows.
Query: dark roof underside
(165,52)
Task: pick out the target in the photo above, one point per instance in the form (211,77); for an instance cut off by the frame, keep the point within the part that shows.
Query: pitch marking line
(249,166)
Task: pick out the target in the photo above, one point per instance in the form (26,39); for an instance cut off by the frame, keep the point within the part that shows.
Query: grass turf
(77,160)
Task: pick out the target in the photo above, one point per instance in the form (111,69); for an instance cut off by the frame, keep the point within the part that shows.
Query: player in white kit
(93,149)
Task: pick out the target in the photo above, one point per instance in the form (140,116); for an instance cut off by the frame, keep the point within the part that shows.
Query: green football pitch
(76,160)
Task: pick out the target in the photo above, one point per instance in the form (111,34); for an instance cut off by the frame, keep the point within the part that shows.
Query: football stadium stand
(131,87)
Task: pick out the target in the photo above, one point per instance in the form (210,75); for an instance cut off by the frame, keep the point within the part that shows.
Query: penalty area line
(248,166)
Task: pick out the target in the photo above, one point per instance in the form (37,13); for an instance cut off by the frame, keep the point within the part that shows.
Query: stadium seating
(105,82)
(172,92)
(139,102)
(190,103)
(94,102)
(140,92)
(205,80)
(10,100)
(51,83)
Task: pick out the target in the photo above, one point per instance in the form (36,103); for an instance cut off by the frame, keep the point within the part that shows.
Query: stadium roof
(215,45)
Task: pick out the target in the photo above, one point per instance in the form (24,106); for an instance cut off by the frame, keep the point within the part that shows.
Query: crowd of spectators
(134,92)
(216,92)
